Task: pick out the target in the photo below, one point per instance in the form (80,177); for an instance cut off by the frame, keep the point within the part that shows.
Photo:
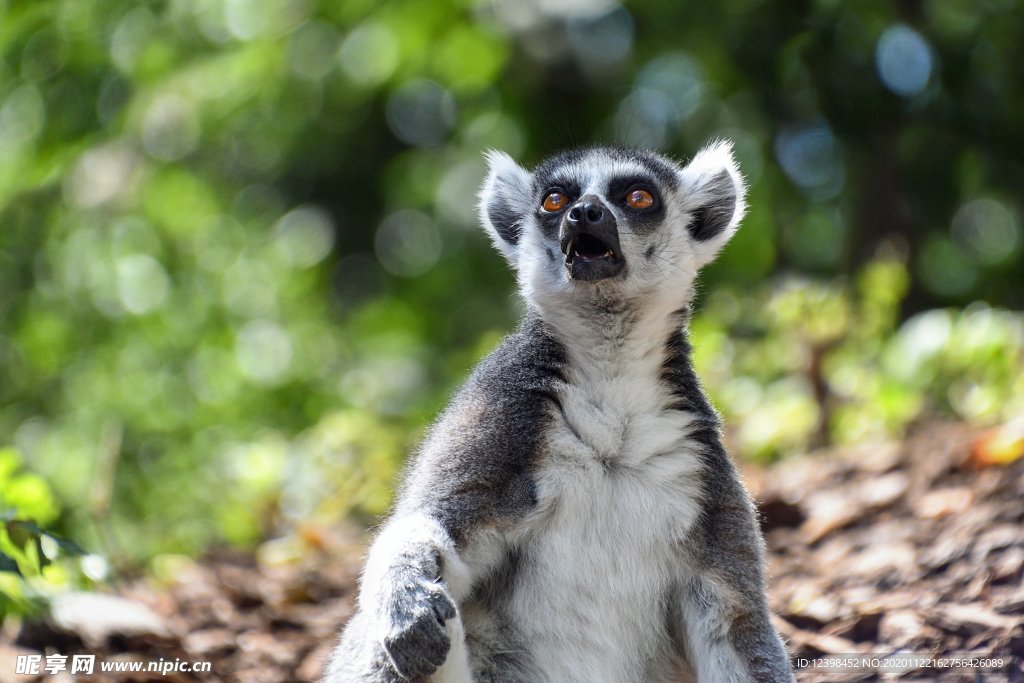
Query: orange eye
(556,201)
(640,199)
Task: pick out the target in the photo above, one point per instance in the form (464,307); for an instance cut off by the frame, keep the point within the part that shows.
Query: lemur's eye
(555,201)
(639,199)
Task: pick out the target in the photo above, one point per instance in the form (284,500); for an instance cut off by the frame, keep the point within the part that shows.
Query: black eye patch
(548,221)
(640,220)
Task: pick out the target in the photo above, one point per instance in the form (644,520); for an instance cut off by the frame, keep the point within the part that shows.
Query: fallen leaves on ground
(898,548)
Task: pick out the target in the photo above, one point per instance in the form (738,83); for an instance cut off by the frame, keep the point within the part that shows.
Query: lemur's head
(609,223)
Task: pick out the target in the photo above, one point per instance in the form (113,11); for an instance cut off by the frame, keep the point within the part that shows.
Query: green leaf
(9,564)
(66,545)
(22,532)
(25,526)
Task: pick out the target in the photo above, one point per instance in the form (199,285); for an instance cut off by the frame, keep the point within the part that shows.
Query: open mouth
(587,247)
(590,258)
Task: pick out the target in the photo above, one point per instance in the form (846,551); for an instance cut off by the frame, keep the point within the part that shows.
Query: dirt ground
(883,550)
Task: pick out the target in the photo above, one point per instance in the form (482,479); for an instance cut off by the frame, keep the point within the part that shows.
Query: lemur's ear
(715,195)
(504,202)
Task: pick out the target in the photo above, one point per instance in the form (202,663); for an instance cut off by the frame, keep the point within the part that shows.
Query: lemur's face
(611,222)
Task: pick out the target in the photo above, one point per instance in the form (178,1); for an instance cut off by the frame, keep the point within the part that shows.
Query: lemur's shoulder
(523,367)
(477,462)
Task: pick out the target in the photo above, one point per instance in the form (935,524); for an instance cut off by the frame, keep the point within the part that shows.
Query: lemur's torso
(618,488)
(574,581)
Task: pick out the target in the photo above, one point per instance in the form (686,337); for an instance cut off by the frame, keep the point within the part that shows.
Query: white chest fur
(618,488)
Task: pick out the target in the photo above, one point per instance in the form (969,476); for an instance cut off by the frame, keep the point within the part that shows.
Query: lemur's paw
(415,638)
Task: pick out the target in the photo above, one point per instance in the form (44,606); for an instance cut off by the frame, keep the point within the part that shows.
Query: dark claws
(417,643)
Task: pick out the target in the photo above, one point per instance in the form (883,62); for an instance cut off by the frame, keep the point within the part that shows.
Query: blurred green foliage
(27,549)
(239,266)
(810,363)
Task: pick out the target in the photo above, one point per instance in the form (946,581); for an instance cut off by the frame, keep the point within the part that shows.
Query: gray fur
(476,464)
(573,514)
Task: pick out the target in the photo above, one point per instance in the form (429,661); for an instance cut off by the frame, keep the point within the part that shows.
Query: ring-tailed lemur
(573,514)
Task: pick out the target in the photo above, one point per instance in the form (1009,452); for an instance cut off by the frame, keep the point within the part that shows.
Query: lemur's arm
(415,576)
(413,579)
(403,627)
(722,609)
(473,476)
(729,632)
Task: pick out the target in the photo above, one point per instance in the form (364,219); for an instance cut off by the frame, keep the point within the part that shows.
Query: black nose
(586,211)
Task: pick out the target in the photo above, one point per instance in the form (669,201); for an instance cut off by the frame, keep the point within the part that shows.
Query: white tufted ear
(504,202)
(715,195)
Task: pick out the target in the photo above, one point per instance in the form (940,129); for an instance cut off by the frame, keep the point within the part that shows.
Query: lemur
(573,514)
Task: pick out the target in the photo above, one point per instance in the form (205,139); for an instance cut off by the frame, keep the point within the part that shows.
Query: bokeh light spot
(170,128)
(263,351)
(21,118)
(100,175)
(812,158)
(130,38)
(494,129)
(602,40)
(408,243)
(250,288)
(456,193)
(304,236)
(312,50)
(645,118)
(904,60)
(987,230)
(369,54)
(421,113)
(383,384)
(142,283)
(679,78)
